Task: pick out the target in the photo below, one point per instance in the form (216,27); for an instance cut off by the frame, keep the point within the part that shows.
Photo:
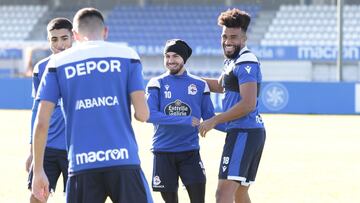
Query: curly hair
(234,18)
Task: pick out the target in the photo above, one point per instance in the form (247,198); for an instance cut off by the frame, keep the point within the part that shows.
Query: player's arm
(136,90)
(158,117)
(40,187)
(49,94)
(41,127)
(248,93)
(141,108)
(215,84)
(207,111)
(33,116)
(29,160)
(35,85)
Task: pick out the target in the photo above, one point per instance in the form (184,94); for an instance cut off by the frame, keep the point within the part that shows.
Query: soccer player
(177,100)
(59,31)
(98,81)
(245,137)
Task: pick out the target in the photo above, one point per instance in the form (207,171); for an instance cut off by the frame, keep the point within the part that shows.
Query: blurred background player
(55,158)
(177,100)
(98,81)
(240,81)
(32,55)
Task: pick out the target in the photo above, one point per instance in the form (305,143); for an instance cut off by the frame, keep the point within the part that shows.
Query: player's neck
(181,72)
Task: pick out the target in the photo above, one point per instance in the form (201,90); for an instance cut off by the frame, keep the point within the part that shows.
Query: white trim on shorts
(247,183)
(241,179)
(238,178)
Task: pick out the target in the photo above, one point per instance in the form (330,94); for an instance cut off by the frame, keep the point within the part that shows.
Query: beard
(233,54)
(174,72)
(177,70)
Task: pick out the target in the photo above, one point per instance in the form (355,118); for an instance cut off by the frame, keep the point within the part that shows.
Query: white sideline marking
(357,98)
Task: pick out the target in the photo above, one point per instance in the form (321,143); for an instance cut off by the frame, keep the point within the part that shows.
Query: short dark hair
(59,23)
(234,18)
(88,13)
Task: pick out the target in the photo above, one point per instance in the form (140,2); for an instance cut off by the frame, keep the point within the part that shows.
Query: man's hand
(195,122)
(206,126)
(40,186)
(28,163)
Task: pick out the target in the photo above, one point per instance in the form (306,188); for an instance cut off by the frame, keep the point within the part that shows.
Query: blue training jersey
(56,132)
(95,80)
(243,69)
(173,101)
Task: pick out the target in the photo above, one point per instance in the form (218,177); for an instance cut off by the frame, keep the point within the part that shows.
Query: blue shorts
(241,155)
(169,166)
(55,163)
(121,184)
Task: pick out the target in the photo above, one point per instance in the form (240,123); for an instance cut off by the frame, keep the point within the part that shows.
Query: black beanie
(178,46)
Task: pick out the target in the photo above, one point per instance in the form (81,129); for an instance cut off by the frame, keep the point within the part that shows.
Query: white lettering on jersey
(167,94)
(110,154)
(102,66)
(96,102)
(226,160)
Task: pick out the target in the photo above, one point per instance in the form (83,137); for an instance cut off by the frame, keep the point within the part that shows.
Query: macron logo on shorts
(110,154)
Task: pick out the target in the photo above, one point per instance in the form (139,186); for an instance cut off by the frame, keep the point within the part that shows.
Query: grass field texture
(307,159)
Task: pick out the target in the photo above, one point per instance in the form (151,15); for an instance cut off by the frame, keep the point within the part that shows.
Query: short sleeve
(135,80)
(35,81)
(49,86)
(247,72)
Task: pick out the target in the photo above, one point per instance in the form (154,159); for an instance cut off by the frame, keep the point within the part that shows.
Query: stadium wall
(306,98)
(276,97)
(15,93)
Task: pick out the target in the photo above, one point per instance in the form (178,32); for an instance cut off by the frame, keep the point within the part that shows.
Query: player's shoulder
(246,56)
(196,78)
(40,65)
(199,80)
(155,81)
(94,49)
(122,50)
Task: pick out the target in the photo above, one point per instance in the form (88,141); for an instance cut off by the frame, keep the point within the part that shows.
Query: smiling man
(177,100)
(59,31)
(240,81)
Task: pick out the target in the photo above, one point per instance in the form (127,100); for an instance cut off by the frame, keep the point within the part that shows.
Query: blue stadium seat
(152,25)
(19,20)
(317,21)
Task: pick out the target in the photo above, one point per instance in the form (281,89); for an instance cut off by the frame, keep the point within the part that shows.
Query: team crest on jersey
(177,108)
(192,89)
(167,87)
